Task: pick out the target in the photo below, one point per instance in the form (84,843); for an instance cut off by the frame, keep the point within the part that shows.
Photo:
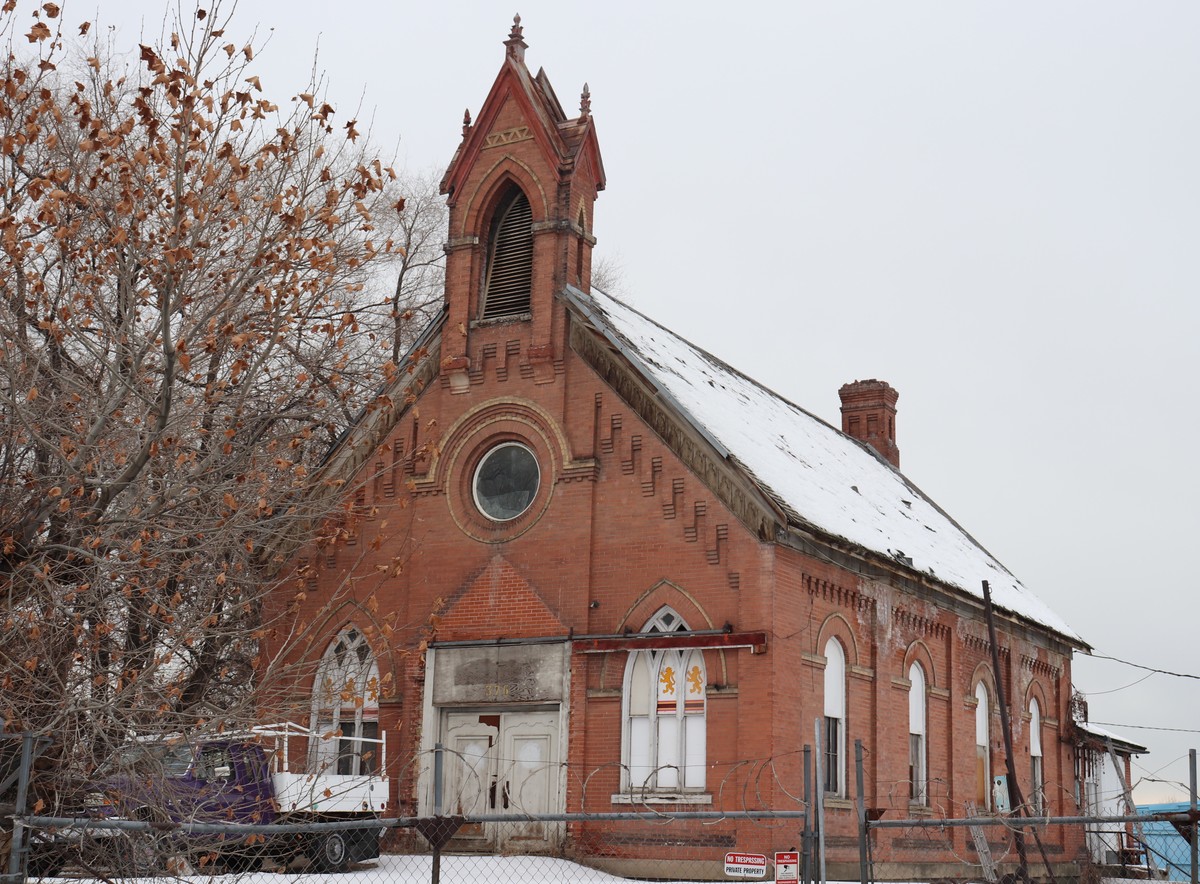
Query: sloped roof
(1102,736)
(822,478)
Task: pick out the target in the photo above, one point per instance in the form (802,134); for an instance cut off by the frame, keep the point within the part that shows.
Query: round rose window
(506,481)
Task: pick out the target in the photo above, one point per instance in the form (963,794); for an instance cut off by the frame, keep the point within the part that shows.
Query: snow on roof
(827,480)
(1105,735)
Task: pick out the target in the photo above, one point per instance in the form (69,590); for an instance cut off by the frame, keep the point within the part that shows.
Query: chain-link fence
(695,846)
(513,849)
(932,837)
(644,837)
(1151,846)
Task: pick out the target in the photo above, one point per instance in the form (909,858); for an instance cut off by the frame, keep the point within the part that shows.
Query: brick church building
(606,570)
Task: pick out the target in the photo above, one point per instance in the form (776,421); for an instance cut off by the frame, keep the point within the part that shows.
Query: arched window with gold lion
(664,715)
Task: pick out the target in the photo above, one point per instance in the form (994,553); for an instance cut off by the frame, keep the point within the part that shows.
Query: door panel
(470,773)
(505,763)
(529,772)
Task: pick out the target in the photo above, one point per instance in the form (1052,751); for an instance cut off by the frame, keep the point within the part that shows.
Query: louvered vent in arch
(510,260)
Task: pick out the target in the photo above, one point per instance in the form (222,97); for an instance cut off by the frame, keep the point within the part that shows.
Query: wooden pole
(862,812)
(1014,791)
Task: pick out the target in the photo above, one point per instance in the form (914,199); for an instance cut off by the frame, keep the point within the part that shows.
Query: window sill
(838,803)
(506,319)
(662,798)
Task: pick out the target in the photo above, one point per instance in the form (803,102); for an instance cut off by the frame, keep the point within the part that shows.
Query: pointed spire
(585,103)
(466,122)
(515,42)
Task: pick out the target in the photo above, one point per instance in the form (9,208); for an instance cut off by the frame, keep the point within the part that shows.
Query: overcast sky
(993,206)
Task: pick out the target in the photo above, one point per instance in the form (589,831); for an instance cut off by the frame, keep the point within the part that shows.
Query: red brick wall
(620,528)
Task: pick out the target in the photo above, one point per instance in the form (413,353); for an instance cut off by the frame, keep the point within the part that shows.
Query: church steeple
(521,188)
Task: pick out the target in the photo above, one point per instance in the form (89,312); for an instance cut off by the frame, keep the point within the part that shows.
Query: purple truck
(250,779)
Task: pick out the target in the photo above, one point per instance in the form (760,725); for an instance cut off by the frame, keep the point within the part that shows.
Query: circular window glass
(506,481)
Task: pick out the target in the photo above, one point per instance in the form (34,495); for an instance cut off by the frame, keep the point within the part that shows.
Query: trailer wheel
(330,852)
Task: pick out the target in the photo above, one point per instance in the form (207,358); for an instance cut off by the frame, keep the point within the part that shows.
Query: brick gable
(497,601)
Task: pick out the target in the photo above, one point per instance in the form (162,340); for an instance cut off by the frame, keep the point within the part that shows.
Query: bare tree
(183,270)
(608,275)
(421,273)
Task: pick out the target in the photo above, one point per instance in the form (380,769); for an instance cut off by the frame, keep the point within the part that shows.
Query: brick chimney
(869,415)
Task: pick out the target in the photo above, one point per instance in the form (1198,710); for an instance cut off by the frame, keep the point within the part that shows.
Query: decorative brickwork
(635,510)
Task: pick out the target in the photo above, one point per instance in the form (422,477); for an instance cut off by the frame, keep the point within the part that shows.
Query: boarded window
(509,277)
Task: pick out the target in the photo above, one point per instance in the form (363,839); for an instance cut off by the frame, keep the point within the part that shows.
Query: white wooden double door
(503,762)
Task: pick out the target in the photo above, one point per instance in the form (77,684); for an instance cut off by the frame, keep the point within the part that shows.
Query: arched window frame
(508,272)
(665,715)
(834,736)
(918,771)
(983,753)
(1037,776)
(345,707)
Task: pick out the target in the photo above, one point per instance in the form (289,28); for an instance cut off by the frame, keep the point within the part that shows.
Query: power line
(1144,668)
(1147,727)
(1123,687)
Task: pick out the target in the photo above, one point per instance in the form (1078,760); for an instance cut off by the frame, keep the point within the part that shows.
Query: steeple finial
(466,122)
(585,103)
(515,42)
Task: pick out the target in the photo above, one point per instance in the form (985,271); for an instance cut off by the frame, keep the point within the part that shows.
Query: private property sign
(745,865)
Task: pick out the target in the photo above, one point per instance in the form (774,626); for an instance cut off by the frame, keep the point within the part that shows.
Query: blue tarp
(1171,850)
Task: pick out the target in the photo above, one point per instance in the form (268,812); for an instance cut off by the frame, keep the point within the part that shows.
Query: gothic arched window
(918,776)
(1037,784)
(345,708)
(508,277)
(665,714)
(835,717)
(983,756)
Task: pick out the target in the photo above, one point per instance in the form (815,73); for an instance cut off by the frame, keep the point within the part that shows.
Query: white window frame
(918,771)
(1037,774)
(835,719)
(664,713)
(345,707)
(983,735)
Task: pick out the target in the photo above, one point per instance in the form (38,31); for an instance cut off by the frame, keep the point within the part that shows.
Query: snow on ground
(405,869)
(456,869)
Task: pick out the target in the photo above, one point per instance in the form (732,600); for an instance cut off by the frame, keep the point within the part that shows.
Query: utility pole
(1014,792)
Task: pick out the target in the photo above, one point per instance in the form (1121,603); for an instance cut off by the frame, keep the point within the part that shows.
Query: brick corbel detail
(456,370)
(540,353)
